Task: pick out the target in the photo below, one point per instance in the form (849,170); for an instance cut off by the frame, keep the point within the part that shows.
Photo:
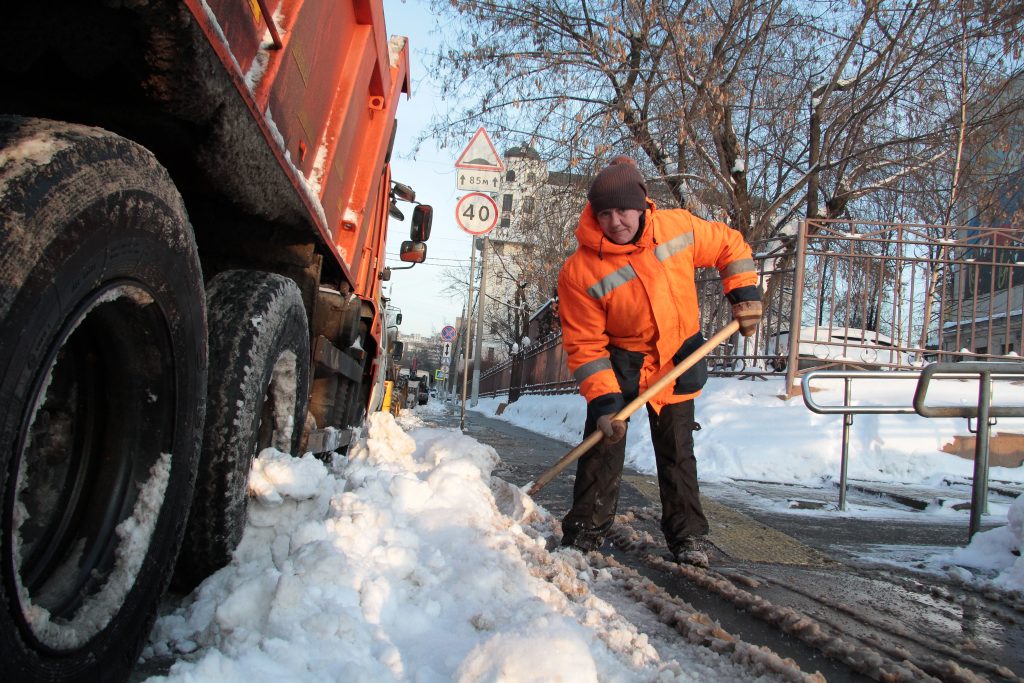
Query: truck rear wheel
(258,389)
(102,376)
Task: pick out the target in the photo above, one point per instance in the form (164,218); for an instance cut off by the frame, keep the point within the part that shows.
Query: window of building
(494,328)
(531,177)
(527,204)
(490,353)
(506,203)
(506,221)
(510,176)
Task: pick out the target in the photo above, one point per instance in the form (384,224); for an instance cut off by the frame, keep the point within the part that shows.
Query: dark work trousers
(681,511)
(595,495)
(599,476)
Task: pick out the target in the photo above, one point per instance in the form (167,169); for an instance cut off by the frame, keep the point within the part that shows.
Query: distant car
(838,345)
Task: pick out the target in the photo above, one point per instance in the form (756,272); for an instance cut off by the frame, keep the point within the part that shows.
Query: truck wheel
(102,376)
(258,389)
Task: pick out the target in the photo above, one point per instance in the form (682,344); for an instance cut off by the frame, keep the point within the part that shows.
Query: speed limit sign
(476,213)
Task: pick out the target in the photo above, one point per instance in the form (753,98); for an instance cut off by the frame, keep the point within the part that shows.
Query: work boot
(695,550)
(584,540)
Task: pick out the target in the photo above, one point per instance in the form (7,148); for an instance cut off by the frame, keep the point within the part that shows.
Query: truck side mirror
(413,252)
(397,348)
(395,212)
(398,318)
(422,219)
(403,192)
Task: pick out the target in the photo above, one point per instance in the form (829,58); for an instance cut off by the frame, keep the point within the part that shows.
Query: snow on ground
(410,562)
(749,432)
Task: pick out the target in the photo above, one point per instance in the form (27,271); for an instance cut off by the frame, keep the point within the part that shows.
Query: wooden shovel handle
(595,436)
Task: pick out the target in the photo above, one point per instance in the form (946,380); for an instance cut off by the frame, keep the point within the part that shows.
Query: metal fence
(847,295)
(757,355)
(899,296)
(540,368)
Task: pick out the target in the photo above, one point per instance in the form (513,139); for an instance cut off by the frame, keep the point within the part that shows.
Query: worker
(629,313)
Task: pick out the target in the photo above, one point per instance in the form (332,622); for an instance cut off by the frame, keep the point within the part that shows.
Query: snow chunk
(276,475)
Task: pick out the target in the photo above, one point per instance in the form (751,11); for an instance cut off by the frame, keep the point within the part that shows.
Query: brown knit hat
(619,186)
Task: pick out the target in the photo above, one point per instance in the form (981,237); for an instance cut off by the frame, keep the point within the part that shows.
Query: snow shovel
(595,436)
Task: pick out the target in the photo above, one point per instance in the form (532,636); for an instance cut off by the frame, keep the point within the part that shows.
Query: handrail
(845,410)
(983,372)
(848,375)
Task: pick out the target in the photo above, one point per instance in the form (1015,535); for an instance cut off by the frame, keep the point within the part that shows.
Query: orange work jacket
(641,297)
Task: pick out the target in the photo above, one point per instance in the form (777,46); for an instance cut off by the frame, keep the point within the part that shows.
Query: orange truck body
(331,82)
(275,119)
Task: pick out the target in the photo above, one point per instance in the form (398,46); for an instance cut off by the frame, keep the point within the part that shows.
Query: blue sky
(418,291)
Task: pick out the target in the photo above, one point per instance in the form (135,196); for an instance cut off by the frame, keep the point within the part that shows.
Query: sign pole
(478,342)
(465,335)
(478,167)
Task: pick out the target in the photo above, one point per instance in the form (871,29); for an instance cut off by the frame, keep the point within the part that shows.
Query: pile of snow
(994,551)
(407,562)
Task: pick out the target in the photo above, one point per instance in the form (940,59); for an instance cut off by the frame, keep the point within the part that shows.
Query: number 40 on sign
(476,213)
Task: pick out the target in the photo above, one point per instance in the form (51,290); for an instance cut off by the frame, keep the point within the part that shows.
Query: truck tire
(257,394)
(102,373)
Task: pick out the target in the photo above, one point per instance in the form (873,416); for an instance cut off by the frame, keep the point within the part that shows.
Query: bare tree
(712,97)
(754,111)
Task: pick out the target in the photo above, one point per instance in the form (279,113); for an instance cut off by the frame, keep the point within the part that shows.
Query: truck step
(328,439)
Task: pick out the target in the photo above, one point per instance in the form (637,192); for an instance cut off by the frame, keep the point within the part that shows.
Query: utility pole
(469,317)
(478,353)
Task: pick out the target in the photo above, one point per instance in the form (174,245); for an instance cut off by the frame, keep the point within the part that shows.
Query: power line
(453,259)
(435,265)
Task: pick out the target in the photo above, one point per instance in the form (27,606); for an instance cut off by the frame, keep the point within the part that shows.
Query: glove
(613,430)
(747,314)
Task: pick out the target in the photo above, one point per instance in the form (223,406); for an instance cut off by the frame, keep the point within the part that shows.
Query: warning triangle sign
(480,154)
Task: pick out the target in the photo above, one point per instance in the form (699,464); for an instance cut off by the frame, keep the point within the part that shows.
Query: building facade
(539,209)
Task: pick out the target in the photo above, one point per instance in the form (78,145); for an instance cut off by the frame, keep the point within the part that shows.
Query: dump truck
(423,387)
(194,196)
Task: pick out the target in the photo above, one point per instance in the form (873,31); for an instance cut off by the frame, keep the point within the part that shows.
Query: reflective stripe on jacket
(642,297)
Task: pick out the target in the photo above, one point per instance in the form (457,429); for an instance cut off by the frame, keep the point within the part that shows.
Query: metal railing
(983,412)
(848,295)
(538,369)
(878,295)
